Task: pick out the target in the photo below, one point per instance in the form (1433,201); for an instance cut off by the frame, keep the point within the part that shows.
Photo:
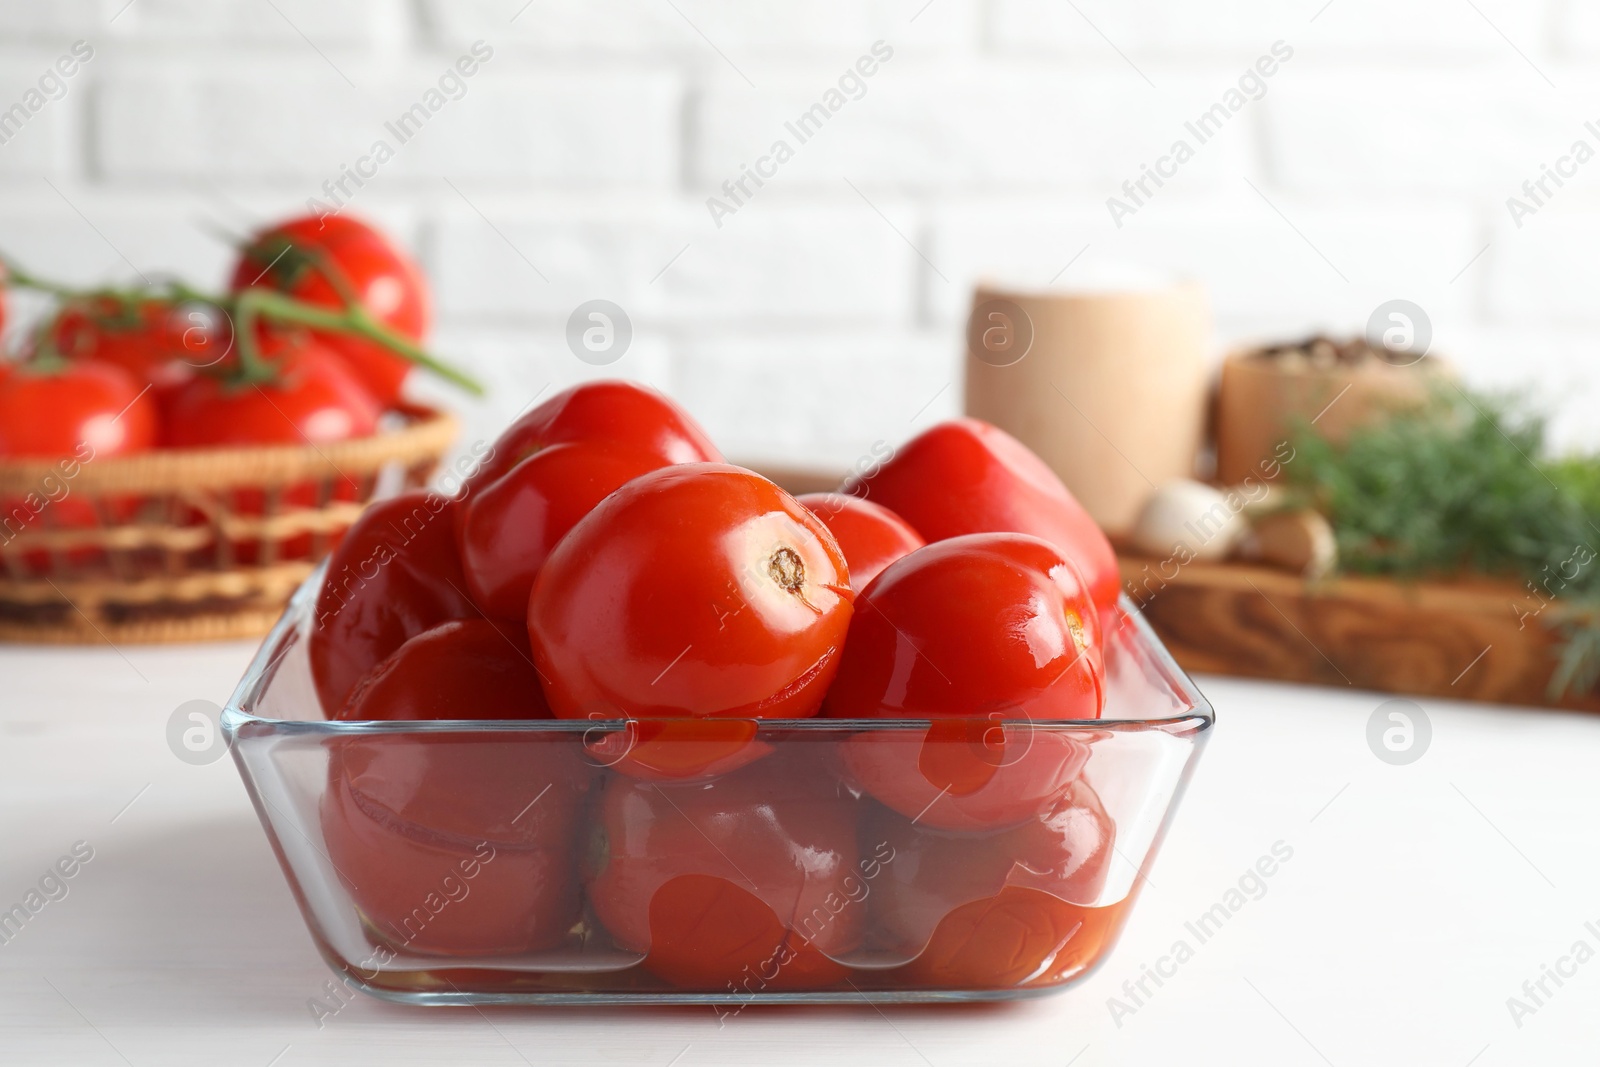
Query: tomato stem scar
(786,568)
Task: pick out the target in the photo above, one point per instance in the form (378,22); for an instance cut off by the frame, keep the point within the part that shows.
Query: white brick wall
(1435,30)
(1479,128)
(810,29)
(825,314)
(878,386)
(961,126)
(349,24)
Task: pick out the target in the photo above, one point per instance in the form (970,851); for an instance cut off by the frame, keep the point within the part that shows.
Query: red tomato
(672,749)
(393,576)
(708,933)
(76,413)
(461,669)
(973,625)
(1018,937)
(965,774)
(870,535)
(314,400)
(965,477)
(975,633)
(154,340)
(695,590)
(47,412)
(298,256)
(507,529)
(623,414)
(460,844)
(403,813)
(1065,852)
(748,881)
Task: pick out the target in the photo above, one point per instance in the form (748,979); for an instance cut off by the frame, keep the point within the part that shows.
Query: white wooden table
(1418,900)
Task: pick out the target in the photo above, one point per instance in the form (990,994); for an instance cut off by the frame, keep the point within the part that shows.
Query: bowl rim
(236,721)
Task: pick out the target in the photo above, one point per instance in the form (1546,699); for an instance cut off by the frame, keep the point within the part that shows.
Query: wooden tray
(1462,640)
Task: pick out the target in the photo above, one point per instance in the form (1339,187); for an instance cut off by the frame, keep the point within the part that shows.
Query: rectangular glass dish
(820,860)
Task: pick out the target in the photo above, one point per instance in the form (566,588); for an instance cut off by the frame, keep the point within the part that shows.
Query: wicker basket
(189,544)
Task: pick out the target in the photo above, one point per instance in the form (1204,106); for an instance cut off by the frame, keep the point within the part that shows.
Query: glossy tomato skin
(75,413)
(623,414)
(751,880)
(377,272)
(1066,851)
(314,400)
(870,535)
(461,669)
(49,412)
(973,625)
(695,590)
(981,634)
(507,529)
(156,341)
(394,575)
(966,476)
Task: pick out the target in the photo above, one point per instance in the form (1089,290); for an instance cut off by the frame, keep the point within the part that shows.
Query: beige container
(1109,388)
(1259,401)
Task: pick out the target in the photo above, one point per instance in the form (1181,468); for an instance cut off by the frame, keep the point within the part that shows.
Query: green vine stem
(243,309)
(277,307)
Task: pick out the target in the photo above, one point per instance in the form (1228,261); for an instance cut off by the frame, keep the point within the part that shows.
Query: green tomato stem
(276,307)
(244,308)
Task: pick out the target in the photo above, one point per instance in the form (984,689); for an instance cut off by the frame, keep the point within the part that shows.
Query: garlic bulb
(1299,541)
(1191,521)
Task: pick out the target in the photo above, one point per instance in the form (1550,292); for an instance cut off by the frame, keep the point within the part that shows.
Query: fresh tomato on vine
(156,340)
(307,395)
(333,261)
(77,412)
(49,408)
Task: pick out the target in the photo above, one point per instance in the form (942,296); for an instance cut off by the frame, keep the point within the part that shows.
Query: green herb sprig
(1465,484)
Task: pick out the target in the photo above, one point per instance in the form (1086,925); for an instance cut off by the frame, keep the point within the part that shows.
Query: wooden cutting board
(1462,639)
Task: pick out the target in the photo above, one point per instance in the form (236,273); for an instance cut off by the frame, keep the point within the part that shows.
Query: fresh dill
(1466,484)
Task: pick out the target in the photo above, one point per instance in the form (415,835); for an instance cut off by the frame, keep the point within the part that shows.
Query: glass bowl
(726,862)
